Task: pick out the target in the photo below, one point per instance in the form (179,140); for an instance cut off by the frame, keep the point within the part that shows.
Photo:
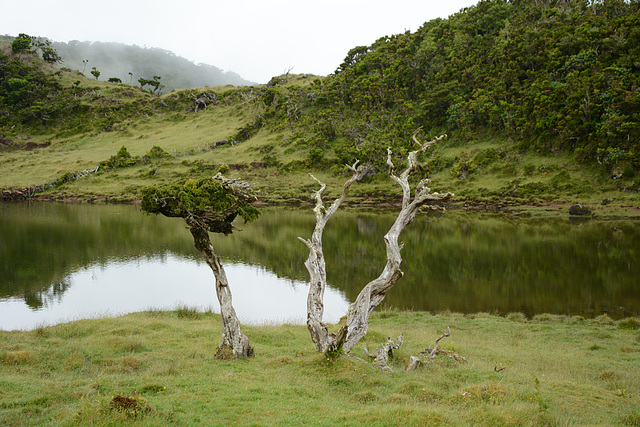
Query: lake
(62,262)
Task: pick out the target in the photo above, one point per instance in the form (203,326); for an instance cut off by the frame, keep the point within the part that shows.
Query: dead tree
(209,205)
(325,341)
(375,291)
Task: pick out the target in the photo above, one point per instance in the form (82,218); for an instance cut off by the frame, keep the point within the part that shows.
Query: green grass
(158,368)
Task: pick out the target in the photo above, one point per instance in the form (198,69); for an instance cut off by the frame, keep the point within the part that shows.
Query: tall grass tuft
(629,323)
(190,313)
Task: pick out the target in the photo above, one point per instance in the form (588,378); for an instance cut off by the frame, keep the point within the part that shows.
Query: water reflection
(165,282)
(459,262)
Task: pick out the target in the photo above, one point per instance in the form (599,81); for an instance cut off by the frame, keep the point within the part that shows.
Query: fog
(256,39)
(131,62)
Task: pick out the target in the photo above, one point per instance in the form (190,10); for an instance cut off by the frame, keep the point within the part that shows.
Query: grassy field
(158,368)
(513,180)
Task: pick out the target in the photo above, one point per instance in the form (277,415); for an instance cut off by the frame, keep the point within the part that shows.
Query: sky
(257,39)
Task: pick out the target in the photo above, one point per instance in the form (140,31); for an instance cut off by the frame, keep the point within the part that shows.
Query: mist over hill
(131,62)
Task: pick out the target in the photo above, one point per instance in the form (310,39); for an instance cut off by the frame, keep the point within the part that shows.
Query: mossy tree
(21,44)
(209,205)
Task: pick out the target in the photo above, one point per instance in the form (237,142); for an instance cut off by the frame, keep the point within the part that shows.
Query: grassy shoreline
(158,368)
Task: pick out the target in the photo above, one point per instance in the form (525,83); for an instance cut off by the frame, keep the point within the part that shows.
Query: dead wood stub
(385,353)
(431,353)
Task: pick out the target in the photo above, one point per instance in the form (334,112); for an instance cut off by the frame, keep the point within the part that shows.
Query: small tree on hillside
(25,43)
(48,53)
(375,291)
(154,85)
(22,44)
(95,73)
(209,205)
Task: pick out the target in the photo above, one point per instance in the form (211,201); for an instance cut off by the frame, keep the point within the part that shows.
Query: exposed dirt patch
(9,144)
(32,146)
(5,143)
(225,353)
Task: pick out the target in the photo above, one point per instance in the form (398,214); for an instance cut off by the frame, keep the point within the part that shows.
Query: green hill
(129,63)
(540,102)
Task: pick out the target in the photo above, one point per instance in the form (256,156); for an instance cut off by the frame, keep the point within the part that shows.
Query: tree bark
(376,290)
(232,336)
(324,340)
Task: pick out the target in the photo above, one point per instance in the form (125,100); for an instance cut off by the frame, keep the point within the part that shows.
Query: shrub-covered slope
(540,101)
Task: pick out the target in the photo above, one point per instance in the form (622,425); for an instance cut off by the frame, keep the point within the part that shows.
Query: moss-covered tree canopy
(214,202)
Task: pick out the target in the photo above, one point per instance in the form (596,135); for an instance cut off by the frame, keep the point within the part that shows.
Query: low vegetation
(159,368)
(529,123)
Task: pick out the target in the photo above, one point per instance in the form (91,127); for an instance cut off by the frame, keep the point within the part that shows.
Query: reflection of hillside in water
(168,282)
(465,263)
(42,243)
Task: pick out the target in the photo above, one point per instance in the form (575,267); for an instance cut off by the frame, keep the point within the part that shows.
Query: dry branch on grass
(431,353)
(383,354)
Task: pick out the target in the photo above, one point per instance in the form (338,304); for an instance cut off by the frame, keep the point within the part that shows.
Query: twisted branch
(324,340)
(375,291)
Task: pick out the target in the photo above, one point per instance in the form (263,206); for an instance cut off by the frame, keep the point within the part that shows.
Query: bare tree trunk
(376,290)
(324,340)
(232,336)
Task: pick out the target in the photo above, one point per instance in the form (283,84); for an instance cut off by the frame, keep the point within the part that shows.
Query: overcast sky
(257,39)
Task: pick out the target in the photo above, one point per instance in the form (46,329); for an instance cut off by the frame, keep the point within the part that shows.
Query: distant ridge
(119,60)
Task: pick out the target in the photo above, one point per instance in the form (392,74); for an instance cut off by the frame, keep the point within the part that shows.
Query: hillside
(540,102)
(129,63)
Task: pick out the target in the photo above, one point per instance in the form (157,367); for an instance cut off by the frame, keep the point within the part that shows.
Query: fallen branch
(431,353)
(384,353)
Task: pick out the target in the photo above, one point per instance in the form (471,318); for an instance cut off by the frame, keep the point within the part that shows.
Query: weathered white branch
(375,291)
(383,354)
(432,355)
(324,340)
(416,362)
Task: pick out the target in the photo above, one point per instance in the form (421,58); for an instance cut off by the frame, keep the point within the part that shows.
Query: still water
(61,262)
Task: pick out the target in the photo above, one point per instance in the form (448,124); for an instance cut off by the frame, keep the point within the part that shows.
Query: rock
(579,209)
(369,172)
